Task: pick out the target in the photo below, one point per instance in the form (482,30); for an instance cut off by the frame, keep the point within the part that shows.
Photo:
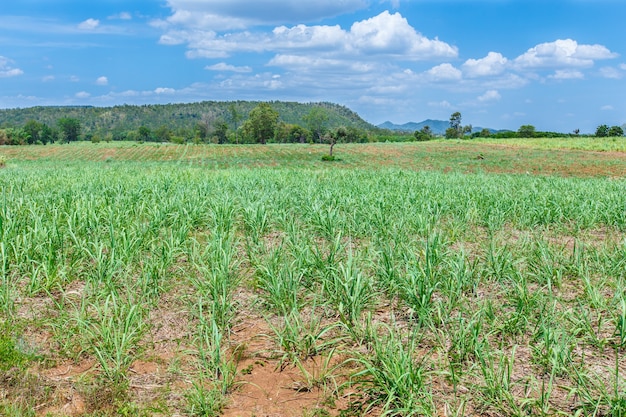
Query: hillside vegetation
(179,116)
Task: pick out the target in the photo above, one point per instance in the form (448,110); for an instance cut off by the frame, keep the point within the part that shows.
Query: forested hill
(176,116)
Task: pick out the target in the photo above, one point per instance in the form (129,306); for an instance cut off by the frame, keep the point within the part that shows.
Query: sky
(558,65)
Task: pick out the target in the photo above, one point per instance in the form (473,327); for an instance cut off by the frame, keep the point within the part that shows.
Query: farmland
(446,278)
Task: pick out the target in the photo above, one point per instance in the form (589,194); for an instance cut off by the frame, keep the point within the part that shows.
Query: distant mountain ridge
(438,127)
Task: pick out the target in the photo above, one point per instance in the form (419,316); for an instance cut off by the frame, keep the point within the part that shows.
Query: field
(447,278)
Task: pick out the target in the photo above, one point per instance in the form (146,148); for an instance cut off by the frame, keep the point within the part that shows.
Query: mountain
(438,127)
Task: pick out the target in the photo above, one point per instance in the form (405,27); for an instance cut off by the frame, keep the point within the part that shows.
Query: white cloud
(301,61)
(493,64)
(164,90)
(392,34)
(82,94)
(310,37)
(562,53)
(382,35)
(47,78)
(622,66)
(567,75)
(89,24)
(607,107)
(222,66)
(102,81)
(74,79)
(444,72)
(7,70)
(490,95)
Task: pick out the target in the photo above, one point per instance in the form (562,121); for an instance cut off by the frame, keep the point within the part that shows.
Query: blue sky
(556,64)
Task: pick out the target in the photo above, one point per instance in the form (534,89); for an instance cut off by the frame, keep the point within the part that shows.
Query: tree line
(458,131)
(262,124)
(228,122)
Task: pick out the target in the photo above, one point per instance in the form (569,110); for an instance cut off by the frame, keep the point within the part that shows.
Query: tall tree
(220,131)
(144,134)
(616,131)
(70,129)
(262,123)
(455,130)
(424,134)
(526,131)
(455,121)
(34,131)
(602,131)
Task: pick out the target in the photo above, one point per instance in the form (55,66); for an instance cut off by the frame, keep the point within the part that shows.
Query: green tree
(452,133)
(163,134)
(34,131)
(424,134)
(262,122)
(456,130)
(16,136)
(602,131)
(144,134)
(201,131)
(220,131)
(616,131)
(485,133)
(455,121)
(48,134)
(337,135)
(316,122)
(70,129)
(526,131)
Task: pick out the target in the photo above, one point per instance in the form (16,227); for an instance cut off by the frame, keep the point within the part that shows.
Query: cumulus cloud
(89,24)
(222,66)
(491,95)
(563,53)
(607,107)
(47,78)
(392,34)
(493,64)
(82,94)
(7,70)
(102,81)
(383,35)
(444,72)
